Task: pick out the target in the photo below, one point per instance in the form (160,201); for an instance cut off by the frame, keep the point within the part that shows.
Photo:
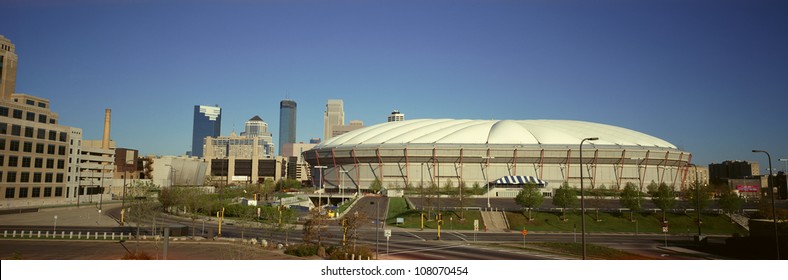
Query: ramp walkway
(494,221)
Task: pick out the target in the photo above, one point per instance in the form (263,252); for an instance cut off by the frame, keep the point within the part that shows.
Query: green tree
(730,202)
(375,186)
(565,197)
(630,198)
(598,195)
(463,195)
(652,188)
(477,189)
(142,206)
(529,197)
(692,199)
(664,198)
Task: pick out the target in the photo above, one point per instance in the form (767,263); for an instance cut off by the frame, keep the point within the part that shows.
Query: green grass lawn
(619,222)
(452,220)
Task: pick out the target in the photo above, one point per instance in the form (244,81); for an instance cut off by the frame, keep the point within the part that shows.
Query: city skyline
(705,76)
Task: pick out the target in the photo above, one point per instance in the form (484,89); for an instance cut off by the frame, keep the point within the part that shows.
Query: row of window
(24,177)
(33,103)
(26,162)
(27,147)
(29,116)
(25,192)
(30,132)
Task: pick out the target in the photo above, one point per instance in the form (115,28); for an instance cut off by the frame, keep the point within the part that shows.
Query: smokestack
(105,141)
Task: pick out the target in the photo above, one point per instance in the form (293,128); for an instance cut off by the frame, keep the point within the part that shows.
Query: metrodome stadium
(501,154)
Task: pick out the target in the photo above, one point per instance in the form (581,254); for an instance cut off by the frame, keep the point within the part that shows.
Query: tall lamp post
(487,172)
(697,199)
(377,226)
(320,188)
(582,198)
(341,183)
(774,209)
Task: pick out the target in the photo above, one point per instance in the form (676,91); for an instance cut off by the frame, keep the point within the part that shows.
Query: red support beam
(664,168)
(678,169)
(566,177)
(380,167)
(541,164)
(407,169)
(515,162)
(621,169)
(334,156)
(355,166)
(645,168)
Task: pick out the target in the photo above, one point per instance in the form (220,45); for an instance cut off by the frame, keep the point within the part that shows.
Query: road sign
(665,226)
(525,232)
(475,225)
(387,233)
(665,229)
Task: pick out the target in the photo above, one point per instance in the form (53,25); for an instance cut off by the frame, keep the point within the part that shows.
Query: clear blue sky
(708,76)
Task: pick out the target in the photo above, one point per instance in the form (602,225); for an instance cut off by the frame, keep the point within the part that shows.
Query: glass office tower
(207,122)
(287,123)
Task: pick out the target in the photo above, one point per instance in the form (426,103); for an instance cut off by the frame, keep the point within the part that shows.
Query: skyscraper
(255,127)
(8,61)
(287,123)
(335,115)
(396,116)
(207,122)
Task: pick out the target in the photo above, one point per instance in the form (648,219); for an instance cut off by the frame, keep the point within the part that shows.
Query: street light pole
(377,226)
(697,198)
(487,177)
(582,198)
(320,188)
(774,208)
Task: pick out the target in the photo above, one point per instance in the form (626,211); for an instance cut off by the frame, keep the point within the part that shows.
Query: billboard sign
(747,188)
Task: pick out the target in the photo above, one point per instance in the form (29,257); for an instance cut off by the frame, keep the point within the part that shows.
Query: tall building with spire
(334,116)
(8,61)
(207,123)
(287,123)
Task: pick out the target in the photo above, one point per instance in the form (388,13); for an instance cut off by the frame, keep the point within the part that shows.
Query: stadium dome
(493,132)
(497,153)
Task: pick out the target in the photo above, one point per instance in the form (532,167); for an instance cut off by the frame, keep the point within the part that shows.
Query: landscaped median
(643,222)
(411,218)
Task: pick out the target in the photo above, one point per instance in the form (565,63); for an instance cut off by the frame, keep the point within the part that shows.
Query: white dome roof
(492,132)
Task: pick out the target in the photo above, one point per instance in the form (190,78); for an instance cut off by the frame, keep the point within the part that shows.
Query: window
(42,133)
(3,128)
(13,161)
(50,163)
(52,135)
(51,149)
(14,146)
(9,192)
(24,177)
(22,192)
(3,111)
(37,177)
(36,192)
(30,102)
(39,148)
(59,178)
(25,161)
(52,121)
(48,178)
(16,130)
(27,147)
(30,116)
(63,136)
(61,164)
(58,191)
(11,178)
(42,105)
(17,114)
(61,150)
(2,162)
(47,191)
(42,118)
(38,163)
(2,144)
(29,131)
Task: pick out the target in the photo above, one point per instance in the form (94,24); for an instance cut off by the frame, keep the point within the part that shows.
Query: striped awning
(520,180)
